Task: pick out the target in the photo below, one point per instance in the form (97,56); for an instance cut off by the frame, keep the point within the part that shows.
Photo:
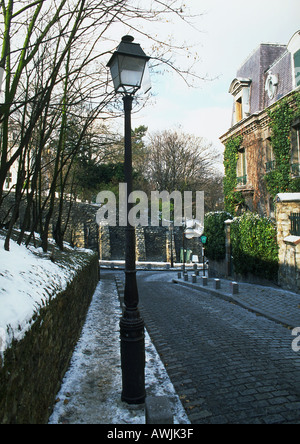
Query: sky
(229,31)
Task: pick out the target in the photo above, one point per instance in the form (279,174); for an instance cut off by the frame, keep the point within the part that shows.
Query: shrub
(214,229)
(254,246)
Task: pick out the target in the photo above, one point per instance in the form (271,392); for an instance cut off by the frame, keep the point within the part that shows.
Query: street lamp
(193,228)
(129,71)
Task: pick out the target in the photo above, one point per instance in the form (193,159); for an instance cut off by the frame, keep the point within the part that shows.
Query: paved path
(272,302)
(227,364)
(91,389)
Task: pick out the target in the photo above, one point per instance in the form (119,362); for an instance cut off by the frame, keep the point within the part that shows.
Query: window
(238,110)
(294,49)
(297,67)
(270,157)
(242,168)
(295,224)
(240,90)
(295,139)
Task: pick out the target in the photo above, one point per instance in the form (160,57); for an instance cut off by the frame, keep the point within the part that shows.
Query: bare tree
(182,162)
(58,70)
(179,161)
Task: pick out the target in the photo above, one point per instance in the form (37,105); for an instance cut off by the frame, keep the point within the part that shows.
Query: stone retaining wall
(34,367)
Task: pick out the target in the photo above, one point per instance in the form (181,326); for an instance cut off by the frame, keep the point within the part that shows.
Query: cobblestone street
(227,364)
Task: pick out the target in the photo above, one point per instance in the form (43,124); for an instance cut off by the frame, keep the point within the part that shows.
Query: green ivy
(214,229)
(281,119)
(232,198)
(254,246)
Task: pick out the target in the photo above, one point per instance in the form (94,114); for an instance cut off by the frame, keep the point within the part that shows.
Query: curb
(229,298)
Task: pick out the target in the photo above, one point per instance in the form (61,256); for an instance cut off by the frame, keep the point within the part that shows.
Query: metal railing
(270,166)
(296,169)
(242,180)
(295,224)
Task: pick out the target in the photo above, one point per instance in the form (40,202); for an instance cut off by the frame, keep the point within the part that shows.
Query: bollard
(217,283)
(186,277)
(204,281)
(235,288)
(179,275)
(195,267)
(194,279)
(197,272)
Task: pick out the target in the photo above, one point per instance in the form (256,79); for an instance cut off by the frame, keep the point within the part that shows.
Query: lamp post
(172,255)
(193,228)
(128,67)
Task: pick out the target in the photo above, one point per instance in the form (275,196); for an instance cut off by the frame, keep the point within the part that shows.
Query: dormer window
(294,49)
(240,90)
(297,67)
(295,140)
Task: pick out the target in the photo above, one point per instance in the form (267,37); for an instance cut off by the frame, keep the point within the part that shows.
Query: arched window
(294,49)
(297,67)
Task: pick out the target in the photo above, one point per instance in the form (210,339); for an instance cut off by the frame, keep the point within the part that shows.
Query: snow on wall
(28,280)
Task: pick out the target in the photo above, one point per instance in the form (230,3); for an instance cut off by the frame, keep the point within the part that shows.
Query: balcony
(270,166)
(242,181)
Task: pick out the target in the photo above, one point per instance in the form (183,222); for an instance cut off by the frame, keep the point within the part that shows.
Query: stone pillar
(104,243)
(140,244)
(289,244)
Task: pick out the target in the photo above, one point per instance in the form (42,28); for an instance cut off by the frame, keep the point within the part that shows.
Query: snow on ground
(91,389)
(28,280)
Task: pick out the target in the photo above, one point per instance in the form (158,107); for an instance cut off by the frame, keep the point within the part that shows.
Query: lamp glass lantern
(129,68)
(189,233)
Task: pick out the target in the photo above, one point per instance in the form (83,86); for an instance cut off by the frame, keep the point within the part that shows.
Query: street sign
(204,239)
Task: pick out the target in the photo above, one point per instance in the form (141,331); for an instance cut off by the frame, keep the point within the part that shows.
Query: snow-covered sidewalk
(91,389)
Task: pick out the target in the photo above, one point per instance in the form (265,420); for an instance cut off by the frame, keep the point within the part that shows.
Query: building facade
(269,76)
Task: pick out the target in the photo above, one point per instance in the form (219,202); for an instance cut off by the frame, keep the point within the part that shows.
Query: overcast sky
(229,32)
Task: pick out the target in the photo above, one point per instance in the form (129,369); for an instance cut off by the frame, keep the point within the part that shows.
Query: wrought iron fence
(295,222)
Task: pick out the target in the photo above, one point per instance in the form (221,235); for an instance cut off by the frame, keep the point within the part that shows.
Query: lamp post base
(132,334)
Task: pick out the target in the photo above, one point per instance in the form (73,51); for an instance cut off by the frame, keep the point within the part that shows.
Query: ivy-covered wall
(254,246)
(232,197)
(256,134)
(281,119)
(214,229)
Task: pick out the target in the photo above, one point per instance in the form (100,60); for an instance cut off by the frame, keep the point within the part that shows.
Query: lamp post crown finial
(127,39)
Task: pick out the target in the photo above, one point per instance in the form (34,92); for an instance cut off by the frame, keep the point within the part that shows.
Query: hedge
(214,229)
(254,246)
